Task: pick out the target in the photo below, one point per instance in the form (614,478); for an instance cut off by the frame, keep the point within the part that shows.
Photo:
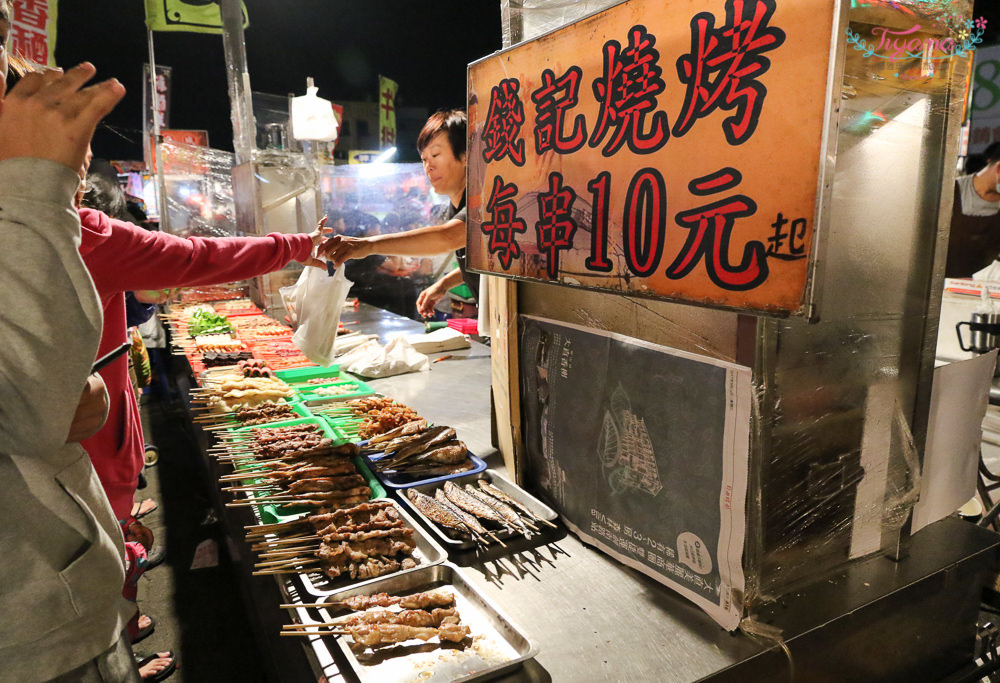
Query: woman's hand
(428,298)
(341,249)
(91,411)
(317,239)
(52,116)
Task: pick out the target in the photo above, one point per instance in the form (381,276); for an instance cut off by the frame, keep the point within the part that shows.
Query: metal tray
(457,542)
(427,553)
(499,645)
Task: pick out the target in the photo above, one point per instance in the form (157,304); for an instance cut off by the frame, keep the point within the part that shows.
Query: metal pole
(161,183)
(244,127)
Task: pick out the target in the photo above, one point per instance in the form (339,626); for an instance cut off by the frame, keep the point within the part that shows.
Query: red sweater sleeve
(133,258)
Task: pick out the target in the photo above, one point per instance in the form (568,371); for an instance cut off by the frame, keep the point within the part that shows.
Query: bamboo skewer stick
(318,624)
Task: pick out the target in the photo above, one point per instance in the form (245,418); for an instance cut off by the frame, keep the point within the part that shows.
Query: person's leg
(114,665)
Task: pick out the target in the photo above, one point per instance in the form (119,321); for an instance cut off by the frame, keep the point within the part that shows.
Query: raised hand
(50,115)
(317,236)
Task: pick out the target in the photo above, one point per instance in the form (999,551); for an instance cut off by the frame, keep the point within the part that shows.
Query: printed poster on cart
(643,449)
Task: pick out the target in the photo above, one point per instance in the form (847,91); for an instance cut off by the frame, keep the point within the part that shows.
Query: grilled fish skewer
(403,430)
(466,518)
(474,505)
(494,492)
(439,514)
(504,510)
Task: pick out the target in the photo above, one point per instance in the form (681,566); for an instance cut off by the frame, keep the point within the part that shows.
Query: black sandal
(142,660)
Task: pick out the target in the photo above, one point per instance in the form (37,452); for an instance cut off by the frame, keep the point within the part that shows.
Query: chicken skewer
(435,598)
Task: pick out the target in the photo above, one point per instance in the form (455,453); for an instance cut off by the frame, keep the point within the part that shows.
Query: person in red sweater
(121,257)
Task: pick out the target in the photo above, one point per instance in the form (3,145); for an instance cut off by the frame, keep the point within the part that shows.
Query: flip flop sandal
(144,507)
(154,558)
(145,632)
(142,660)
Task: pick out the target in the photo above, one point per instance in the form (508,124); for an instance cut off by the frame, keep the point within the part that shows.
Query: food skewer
(494,492)
(468,520)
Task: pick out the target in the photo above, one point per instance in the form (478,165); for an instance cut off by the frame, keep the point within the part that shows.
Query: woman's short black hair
(452,121)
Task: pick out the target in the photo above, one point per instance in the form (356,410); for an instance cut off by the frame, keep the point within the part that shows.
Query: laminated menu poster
(643,450)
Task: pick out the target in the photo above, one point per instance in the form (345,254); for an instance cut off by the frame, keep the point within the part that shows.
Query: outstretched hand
(341,249)
(317,236)
(52,116)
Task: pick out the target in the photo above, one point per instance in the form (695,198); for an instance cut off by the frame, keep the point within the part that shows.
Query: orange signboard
(669,150)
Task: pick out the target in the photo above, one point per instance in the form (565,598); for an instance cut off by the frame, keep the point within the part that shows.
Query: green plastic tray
(271,513)
(311,395)
(312,372)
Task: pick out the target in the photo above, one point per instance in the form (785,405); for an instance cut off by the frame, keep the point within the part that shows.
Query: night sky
(343,44)
(424,45)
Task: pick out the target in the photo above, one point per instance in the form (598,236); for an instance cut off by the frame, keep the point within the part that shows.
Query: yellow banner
(387,112)
(33,32)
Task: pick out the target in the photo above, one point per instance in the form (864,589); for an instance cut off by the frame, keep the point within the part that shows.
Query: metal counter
(596,620)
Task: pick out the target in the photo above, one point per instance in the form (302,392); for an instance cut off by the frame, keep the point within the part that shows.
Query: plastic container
(304,374)
(309,394)
(464,325)
(403,481)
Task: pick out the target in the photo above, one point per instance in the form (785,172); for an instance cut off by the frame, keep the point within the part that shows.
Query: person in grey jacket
(61,555)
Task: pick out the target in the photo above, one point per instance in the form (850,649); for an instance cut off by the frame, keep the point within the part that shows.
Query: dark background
(343,44)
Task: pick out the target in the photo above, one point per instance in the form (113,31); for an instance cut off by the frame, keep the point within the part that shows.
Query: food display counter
(581,616)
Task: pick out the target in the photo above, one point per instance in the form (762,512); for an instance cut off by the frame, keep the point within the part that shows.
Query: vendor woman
(442,150)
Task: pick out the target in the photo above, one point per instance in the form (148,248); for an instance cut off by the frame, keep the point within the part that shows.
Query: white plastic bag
(314,303)
(372,360)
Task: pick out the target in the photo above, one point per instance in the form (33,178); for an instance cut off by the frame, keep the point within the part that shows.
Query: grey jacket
(61,553)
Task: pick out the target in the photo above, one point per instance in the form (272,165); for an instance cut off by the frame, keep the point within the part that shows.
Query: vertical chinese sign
(669,150)
(387,112)
(33,32)
(155,107)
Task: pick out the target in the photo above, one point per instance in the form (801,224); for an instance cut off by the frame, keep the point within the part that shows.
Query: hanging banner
(387,112)
(668,150)
(156,100)
(155,107)
(644,452)
(33,31)
(195,16)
